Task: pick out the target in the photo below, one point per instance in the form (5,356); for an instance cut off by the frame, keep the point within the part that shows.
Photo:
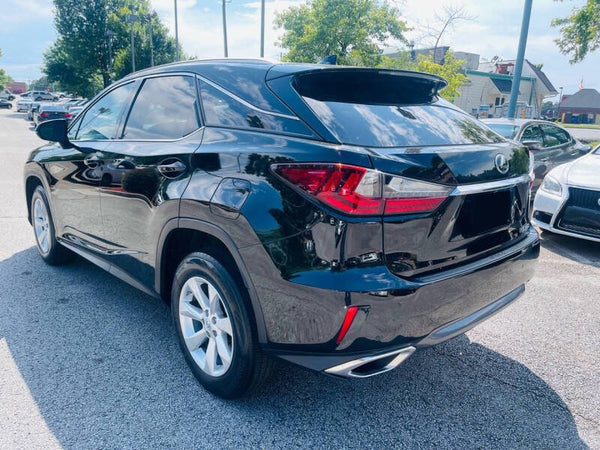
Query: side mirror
(54,131)
(532,145)
(583,148)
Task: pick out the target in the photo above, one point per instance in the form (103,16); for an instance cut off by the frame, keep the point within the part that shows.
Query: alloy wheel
(206,326)
(41,225)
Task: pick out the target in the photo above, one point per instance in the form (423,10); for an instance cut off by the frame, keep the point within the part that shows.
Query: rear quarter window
(222,109)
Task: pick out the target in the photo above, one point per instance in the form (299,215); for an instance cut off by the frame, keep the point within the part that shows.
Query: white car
(23,104)
(568,201)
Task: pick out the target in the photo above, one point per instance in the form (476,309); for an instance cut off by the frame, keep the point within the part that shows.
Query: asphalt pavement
(585,134)
(86,361)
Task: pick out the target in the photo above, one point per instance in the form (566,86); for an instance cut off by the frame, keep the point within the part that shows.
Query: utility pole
(224,28)
(131,18)
(514,92)
(262,28)
(149,19)
(176,35)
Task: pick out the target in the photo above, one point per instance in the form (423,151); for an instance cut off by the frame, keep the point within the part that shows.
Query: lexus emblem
(501,163)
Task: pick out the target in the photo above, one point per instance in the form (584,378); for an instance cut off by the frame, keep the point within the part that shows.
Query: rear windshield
(386,110)
(504,129)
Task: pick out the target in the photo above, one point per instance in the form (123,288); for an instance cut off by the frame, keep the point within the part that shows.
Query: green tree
(354,30)
(4,78)
(450,70)
(580,32)
(85,58)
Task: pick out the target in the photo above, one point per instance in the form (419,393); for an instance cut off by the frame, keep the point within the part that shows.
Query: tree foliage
(354,30)
(450,70)
(4,78)
(84,58)
(580,32)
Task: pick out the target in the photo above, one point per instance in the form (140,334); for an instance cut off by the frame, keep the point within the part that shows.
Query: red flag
(581,84)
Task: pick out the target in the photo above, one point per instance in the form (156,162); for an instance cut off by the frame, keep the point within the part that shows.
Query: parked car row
(567,177)
(549,143)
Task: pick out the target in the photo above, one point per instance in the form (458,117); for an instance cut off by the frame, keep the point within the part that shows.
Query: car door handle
(172,169)
(93,160)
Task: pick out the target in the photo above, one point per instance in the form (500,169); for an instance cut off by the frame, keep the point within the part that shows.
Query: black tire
(249,366)
(54,254)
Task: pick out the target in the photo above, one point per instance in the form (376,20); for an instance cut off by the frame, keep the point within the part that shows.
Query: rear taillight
(360,191)
(44,114)
(67,115)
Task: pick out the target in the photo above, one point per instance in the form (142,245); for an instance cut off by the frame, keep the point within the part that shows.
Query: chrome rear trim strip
(491,186)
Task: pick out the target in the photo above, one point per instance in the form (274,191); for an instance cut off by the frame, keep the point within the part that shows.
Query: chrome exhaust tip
(369,366)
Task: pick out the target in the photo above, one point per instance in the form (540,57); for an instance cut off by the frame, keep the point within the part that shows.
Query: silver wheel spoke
(199,294)
(191,311)
(223,348)
(224,324)
(210,361)
(196,340)
(214,298)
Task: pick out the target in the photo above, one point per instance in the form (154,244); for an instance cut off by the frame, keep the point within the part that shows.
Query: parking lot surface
(87,361)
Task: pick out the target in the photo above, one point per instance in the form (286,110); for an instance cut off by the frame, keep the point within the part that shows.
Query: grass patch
(580,125)
(593,144)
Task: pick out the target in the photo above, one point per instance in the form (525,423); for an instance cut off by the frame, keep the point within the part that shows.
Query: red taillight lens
(360,191)
(67,115)
(44,114)
(348,319)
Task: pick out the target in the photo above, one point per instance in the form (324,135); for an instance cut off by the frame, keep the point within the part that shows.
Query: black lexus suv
(337,218)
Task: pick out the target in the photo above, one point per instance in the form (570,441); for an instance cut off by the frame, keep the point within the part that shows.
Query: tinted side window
(532,133)
(221,109)
(165,108)
(100,121)
(554,136)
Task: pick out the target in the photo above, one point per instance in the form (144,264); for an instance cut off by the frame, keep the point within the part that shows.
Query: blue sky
(27,31)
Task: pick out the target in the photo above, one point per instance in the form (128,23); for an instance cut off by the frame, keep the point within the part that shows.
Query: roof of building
(542,76)
(504,86)
(487,66)
(583,99)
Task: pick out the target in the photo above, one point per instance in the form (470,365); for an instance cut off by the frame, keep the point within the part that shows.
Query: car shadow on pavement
(101,362)
(578,250)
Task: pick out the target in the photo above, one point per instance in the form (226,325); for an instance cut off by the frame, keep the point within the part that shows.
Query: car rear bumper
(396,316)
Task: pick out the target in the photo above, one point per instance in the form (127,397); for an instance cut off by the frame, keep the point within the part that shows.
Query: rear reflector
(361,191)
(350,315)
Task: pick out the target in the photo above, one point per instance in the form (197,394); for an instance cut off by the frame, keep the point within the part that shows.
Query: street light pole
(558,107)
(149,19)
(176,35)
(131,18)
(109,34)
(514,92)
(224,28)
(262,28)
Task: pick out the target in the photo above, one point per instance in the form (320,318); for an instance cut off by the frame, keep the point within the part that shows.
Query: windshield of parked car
(388,110)
(506,130)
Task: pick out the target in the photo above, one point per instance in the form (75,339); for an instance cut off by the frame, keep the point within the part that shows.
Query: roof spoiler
(368,86)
